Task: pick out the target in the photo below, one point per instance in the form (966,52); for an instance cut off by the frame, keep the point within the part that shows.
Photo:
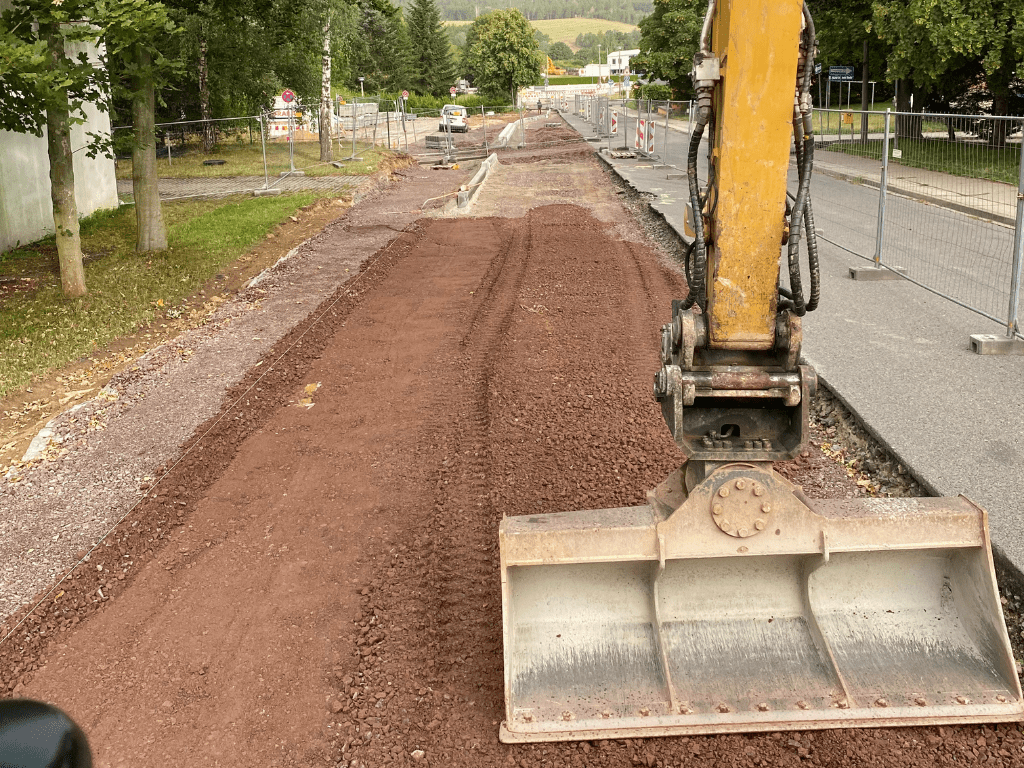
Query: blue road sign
(842,73)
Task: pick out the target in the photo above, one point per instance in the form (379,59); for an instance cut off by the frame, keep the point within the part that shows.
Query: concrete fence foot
(877,273)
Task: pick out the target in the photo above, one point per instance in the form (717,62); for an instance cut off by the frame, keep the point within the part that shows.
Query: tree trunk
(326,123)
(907,126)
(62,178)
(204,93)
(150,229)
(1000,106)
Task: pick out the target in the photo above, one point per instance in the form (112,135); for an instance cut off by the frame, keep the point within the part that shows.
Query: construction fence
(945,192)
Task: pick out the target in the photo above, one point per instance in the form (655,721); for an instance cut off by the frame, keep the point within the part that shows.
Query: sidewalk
(898,357)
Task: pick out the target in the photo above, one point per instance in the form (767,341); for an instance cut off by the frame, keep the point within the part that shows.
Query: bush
(653,92)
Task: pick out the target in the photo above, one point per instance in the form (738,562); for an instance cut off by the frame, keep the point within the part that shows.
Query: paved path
(898,355)
(174,189)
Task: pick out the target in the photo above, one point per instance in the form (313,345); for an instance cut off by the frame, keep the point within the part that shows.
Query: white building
(618,61)
(595,70)
(26,210)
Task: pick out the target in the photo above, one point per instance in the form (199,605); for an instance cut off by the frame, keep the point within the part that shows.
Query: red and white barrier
(615,122)
(644,139)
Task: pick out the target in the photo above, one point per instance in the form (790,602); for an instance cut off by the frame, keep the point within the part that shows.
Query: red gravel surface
(319,580)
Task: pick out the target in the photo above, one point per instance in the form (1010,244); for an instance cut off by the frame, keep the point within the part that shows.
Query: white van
(453,118)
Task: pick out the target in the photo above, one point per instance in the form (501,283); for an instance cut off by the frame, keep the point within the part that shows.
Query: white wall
(26,212)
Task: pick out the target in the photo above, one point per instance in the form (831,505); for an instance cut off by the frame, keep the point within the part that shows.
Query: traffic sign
(843,74)
(452,90)
(287,96)
(405,94)
(817,68)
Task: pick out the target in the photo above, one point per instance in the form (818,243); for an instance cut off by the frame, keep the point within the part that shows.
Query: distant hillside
(626,11)
(567,30)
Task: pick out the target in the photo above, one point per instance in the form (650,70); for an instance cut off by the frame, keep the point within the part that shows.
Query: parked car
(453,118)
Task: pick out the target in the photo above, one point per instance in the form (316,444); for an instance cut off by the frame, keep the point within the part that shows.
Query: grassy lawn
(566,30)
(244,159)
(41,329)
(976,161)
(830,122)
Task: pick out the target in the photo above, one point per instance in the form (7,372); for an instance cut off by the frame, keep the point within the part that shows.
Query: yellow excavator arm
(732,601)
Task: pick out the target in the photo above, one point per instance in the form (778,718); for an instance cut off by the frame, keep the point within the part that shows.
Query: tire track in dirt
(548,408)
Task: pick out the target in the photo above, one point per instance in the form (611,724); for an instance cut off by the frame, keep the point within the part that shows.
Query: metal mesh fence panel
(198,158)
(279,150)
(950,198)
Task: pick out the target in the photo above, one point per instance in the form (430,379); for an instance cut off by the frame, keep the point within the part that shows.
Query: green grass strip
(41,329)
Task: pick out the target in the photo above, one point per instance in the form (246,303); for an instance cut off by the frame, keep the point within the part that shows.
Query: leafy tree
(502,54)
(543,40)
(942,47)
(669,38)
(433,71)
(559,51)
(54,89)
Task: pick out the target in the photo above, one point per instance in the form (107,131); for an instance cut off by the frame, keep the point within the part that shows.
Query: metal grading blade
(633,622)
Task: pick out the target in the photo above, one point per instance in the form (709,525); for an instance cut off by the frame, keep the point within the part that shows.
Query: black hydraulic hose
(795,222)
(812,238)
(812,257)
(696,294)
(688,261)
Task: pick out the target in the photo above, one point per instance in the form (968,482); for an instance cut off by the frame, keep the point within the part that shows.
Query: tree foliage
(502,54)
(669,38)
(380,46)
(32,81)
(433,70)
(948,48)
(559,51)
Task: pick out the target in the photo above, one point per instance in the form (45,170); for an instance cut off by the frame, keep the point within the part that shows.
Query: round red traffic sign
(287,96)
(452,90)
(405,94)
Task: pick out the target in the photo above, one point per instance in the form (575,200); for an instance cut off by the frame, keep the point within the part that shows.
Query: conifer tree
(432,69)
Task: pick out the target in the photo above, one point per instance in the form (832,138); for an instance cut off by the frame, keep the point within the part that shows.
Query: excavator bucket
(745,606)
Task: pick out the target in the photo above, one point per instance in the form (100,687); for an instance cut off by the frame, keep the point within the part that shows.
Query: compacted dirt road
(317,579)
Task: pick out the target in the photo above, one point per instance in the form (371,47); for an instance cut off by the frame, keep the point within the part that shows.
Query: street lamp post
(361,93)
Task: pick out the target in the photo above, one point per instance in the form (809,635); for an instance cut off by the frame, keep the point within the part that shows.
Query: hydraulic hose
(696,294)
(688,262)
(803,135)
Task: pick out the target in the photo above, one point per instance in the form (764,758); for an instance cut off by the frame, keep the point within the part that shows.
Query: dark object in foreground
(37,735)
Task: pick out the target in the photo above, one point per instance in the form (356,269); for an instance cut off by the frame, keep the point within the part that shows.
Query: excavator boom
(731,601)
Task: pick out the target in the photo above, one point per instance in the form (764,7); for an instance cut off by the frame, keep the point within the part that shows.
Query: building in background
(595,70)
(26,210)
(618,61)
